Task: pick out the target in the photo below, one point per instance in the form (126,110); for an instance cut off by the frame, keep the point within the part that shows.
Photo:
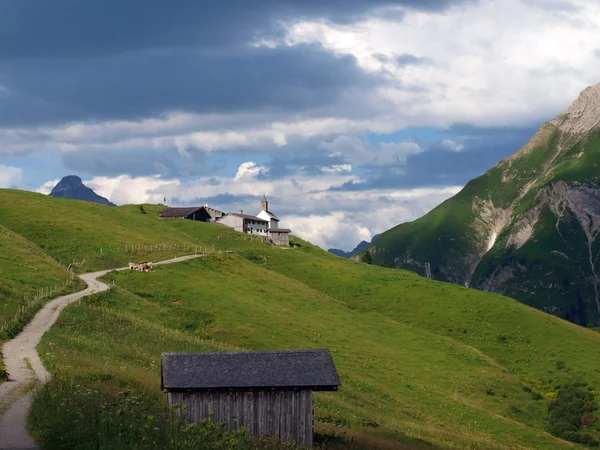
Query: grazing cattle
(142,267)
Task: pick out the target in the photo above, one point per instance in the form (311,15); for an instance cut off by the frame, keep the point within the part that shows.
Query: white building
(267,215)
(246,224)
(265,224)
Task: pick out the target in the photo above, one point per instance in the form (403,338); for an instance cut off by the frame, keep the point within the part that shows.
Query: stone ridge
(583,115)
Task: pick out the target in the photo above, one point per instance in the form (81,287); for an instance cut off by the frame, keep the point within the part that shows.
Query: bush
(366,257)
(536,395)
(75,416)
(572,411)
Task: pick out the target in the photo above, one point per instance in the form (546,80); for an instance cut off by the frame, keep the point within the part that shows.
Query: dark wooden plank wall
(282,414)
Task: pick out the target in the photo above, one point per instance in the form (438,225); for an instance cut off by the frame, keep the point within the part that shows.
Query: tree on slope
(366,257)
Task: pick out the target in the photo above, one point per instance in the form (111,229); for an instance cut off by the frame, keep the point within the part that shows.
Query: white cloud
(382,154)
(452,145)
(492,62)
(249,170)
(10,176)
(337,168)
(47,187)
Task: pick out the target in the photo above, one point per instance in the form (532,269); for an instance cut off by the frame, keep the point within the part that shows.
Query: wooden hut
(201,213)
(267,392)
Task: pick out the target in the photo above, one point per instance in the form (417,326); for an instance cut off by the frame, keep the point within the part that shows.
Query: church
(277,236)
(265,224)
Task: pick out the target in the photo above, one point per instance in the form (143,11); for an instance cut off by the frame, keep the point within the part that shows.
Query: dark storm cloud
(150,82)
(42,28)
(167,163)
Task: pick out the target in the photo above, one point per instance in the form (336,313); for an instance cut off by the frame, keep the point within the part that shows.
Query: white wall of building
(273,223)
(234,222)
(256,227)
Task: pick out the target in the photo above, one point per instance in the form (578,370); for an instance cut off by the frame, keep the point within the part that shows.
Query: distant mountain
(359,248)
(71,186)
(529,228)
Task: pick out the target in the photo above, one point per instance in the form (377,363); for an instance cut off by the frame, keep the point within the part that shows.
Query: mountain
(359,248)
(528,228)
(71,186)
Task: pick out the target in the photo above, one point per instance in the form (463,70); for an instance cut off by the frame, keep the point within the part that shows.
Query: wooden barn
(268,392)
(201,213)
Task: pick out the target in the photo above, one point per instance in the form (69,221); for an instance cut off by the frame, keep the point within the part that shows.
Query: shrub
(77,416)
(536,395)
(572,411)
(366,257)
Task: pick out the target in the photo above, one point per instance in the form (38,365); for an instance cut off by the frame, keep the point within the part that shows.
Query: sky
(350,116)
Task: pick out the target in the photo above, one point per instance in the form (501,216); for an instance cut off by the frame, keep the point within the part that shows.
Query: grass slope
(25,270)
(398,381)
(422,363)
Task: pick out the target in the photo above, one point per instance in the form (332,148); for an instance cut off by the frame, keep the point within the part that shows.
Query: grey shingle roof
(271,215)
(246,216)
(179,212)
(283,369)
(279,230)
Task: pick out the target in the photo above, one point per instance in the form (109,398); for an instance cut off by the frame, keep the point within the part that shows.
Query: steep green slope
(399,381)
(528,228)
(25,270)
(419,359)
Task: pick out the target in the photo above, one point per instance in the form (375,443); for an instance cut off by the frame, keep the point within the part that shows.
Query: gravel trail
(25,367)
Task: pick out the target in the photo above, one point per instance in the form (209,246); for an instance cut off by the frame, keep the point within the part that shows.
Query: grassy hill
(424,364)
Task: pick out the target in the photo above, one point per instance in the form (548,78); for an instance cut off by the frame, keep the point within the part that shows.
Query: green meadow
(423,364)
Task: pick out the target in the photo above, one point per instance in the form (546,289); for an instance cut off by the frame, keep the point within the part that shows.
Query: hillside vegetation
(28,278)
(528,228)
(423,364)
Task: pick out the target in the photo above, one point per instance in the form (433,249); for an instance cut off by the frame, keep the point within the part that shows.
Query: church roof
(271,215)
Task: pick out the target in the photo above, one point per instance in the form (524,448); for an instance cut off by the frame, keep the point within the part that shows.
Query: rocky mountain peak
(583,115)
(72,187)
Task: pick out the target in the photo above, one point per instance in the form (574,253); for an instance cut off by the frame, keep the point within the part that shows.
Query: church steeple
(264,204)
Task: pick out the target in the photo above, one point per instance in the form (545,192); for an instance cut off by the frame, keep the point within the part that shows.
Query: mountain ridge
(359,248)
(527,228)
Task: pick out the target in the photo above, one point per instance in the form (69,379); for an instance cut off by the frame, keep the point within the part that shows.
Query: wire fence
(31,304)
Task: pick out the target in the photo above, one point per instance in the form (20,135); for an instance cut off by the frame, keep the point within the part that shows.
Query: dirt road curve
(25,367)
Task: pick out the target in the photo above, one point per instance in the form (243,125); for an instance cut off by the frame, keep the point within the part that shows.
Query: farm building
(245,224)
(279,236)
(267,392)
(202,213)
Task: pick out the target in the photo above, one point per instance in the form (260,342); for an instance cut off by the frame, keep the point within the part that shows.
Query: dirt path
(25,367)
